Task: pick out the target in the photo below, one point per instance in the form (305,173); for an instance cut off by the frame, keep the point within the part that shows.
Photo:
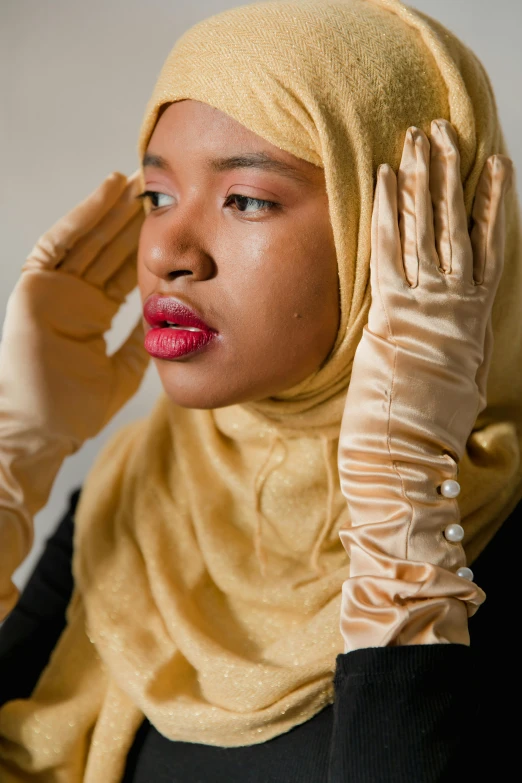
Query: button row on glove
(455,532)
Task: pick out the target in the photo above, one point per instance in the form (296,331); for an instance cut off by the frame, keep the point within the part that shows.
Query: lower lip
(164,343)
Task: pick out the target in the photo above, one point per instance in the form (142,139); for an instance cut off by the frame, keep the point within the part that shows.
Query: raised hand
(58,385)
(54,368)
(418,383)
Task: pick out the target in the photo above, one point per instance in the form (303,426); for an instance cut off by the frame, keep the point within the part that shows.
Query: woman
(302,464)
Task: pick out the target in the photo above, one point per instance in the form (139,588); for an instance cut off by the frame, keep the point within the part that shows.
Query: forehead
(203,133)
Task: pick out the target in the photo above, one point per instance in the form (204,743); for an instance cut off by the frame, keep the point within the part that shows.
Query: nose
(173,246)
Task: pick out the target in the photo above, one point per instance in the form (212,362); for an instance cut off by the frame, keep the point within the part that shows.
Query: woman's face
(239,232)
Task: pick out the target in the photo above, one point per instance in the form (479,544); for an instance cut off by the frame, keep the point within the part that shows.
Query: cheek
(313,288)
(288,284)
(300,270)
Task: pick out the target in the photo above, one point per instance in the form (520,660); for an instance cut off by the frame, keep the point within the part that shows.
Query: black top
(413,714)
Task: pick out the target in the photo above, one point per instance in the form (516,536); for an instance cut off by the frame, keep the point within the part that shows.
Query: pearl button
(450,488)
(454,533)
(465,573)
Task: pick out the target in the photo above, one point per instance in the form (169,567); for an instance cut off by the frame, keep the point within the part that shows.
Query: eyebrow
(249,160)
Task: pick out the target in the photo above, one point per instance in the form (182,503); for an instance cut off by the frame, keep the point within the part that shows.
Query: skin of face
(264,277)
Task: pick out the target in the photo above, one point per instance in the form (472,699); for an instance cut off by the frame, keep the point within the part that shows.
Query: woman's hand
(55,373)
(433,285)
(418,383)
(58,386)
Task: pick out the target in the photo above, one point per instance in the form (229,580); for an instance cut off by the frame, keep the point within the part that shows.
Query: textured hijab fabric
(208,565)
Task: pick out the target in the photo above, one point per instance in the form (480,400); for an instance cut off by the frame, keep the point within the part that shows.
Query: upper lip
(159,309)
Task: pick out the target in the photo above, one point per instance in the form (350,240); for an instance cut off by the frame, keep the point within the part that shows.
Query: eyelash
(268,205)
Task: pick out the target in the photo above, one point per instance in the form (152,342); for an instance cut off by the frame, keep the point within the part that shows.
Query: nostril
(179,273)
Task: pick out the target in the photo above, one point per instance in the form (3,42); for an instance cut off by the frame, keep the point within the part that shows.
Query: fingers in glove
(114,256)
(57,242)
(451,224)
(85,252)
(488,232)
(488,243)
(415,209)
(125,280)
(386,245)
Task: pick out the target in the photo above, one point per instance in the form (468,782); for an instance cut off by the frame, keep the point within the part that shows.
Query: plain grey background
(75,77)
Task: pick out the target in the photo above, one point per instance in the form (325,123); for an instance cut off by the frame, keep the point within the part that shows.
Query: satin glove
(418,384)
(58,385)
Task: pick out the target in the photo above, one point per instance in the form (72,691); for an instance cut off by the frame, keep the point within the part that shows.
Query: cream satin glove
(418,384)
(58,386)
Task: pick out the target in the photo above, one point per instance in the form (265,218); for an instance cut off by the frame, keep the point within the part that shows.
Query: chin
(204,387)
(202,397)
(206,394)
(191,390)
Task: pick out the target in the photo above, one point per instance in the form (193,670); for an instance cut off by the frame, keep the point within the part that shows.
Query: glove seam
(388,423)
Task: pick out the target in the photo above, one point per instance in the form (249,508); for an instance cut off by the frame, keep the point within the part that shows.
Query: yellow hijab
(208,566)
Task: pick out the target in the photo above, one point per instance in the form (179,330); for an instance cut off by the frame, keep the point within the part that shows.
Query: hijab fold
(208,565)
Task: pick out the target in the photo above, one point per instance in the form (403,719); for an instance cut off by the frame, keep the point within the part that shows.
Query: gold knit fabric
(208,566)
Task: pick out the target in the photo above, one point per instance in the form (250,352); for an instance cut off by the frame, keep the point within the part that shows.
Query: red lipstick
(176,329)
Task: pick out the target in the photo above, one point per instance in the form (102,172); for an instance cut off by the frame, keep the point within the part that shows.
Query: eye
(155,198)
(248,204)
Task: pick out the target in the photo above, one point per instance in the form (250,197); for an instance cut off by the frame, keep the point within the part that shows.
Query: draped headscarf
(208,566)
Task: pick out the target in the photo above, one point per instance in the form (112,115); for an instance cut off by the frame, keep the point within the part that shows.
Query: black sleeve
(403,714)
(31,631)
(437,713)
